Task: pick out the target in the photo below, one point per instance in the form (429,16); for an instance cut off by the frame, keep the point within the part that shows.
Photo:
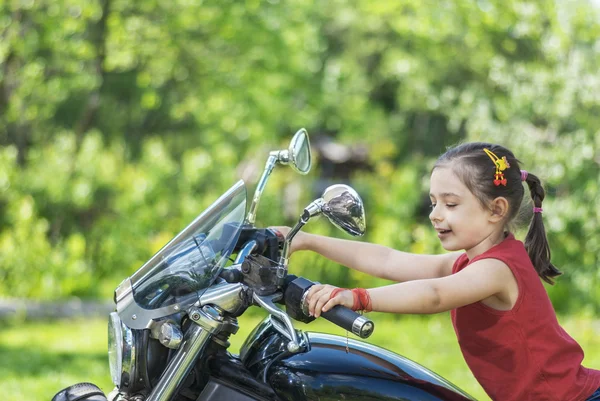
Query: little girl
(505,324)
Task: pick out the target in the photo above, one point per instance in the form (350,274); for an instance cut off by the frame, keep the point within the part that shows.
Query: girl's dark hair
(476,170)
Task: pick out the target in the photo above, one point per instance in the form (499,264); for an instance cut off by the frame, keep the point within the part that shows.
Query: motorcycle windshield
(184,268)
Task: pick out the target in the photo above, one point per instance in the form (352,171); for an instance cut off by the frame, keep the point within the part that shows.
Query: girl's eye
(432,206)
(450,205)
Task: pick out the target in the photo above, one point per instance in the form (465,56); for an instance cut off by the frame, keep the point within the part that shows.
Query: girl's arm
(474,283)
(378,260)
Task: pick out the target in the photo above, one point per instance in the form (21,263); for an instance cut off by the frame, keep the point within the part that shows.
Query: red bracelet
(362,300)
(356,305)
(361,297)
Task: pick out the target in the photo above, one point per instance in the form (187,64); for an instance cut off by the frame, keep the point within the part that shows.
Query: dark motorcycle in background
(168,338)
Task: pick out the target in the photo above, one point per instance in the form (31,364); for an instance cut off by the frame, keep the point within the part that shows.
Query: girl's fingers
(323,299)
(320,298)
(311,297)
(284,230)
(342,298)
(317,296)
(337,300)
(314,289)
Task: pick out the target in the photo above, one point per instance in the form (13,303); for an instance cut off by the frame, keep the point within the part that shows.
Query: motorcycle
(168,338)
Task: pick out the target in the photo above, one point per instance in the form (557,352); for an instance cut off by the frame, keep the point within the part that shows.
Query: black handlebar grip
(348,319)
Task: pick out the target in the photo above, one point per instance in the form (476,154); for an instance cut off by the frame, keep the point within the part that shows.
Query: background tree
(120,121)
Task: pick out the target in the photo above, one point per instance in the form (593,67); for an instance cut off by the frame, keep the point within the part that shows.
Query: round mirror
(299,152)
(344,208)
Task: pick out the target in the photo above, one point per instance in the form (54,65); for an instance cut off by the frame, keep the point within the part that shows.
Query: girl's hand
(298,243)
(284,230)
(319,299)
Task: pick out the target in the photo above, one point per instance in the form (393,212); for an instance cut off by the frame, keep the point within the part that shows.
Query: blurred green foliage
(120,121)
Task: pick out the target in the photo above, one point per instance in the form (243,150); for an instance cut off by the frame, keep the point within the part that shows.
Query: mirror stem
(284,259)
(313,209)
(270,165)
(310,211)
(285,253)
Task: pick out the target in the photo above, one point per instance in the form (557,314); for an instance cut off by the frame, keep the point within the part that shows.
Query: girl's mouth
(442,233)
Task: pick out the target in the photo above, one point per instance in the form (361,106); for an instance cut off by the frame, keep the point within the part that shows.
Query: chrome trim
(245,251)
(314,208)
(224,295)
(115,348)
(167,333)
(267,324)
(299,142)
(266,302)
(271,162)
(208,318)
(345,209)
(286,157)
(284,331)
(123,290)
(362,327)
(280,328)
(304,304)
(284,259)
(128,352)
(194,342)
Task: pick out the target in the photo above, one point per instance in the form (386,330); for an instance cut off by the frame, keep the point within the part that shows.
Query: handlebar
(261,274)
(350,320)
(339,315)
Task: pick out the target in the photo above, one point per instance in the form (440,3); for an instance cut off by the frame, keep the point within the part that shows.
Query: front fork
(207,323)
(195,340)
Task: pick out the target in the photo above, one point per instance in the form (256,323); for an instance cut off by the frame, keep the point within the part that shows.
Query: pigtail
(536,241)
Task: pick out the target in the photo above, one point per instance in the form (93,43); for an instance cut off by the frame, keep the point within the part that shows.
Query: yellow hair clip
(501,165)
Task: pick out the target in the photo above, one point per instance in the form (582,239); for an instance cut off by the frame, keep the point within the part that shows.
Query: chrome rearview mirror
(297,155)
(344,208)
(341,205)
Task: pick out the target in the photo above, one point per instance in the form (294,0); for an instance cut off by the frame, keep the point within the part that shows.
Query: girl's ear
(499,209)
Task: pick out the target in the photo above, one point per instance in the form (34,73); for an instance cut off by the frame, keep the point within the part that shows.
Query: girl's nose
(434,215)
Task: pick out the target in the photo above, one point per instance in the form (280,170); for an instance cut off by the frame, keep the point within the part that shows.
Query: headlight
(121,351)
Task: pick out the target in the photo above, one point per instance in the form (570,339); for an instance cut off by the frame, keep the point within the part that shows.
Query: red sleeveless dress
(522,354)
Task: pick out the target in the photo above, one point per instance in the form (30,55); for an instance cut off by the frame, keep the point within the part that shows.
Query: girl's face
(457,215)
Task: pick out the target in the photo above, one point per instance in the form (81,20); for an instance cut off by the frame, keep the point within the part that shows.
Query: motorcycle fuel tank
(334,368)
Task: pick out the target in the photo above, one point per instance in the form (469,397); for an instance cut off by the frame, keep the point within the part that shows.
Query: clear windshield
(184,268)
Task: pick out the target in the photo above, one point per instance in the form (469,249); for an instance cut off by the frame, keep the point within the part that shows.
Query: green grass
(38,359)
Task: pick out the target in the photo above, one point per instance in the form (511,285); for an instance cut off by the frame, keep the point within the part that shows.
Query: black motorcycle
(168,337)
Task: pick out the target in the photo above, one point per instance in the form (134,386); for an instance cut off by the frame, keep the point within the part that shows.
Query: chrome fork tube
(195,339)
